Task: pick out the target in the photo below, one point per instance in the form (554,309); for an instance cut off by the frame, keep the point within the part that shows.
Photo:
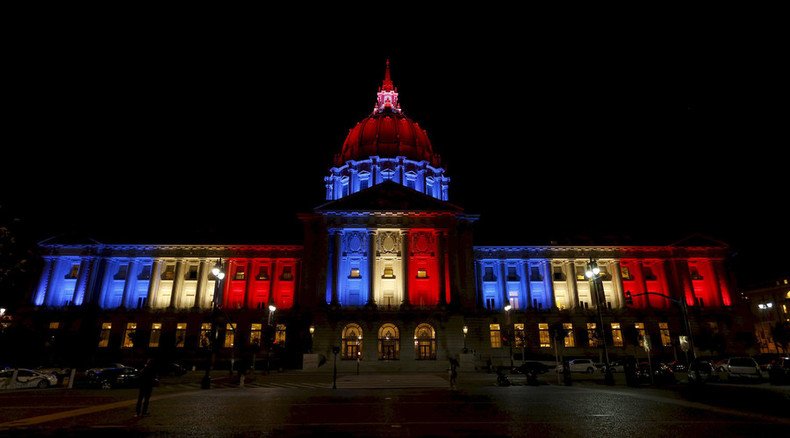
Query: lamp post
(312,331)
(593,273)
(466,330)
(272,309)
(219,274)
(509,336)
(335,350)
(683,311)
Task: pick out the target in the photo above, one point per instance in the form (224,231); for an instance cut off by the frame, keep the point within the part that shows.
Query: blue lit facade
(522,283)
(354,176)
(354,273)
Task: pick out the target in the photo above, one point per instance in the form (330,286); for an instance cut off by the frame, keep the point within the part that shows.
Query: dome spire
(387,97)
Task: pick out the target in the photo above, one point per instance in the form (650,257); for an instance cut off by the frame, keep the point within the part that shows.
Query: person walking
(147,380)
(453,372)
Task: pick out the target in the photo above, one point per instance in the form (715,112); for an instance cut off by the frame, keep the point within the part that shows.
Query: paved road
(387,408)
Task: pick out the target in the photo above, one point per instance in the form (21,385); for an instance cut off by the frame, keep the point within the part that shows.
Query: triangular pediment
(698,240)
(388,196)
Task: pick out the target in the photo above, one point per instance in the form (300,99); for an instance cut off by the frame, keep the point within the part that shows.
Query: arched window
(352,342)
(425,342)
(389,342)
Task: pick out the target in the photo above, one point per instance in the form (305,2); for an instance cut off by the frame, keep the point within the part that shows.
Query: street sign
(684,343)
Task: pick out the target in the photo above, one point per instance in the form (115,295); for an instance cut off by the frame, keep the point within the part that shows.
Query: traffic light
(628,300)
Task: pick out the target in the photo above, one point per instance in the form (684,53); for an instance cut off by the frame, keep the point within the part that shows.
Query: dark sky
(139,135)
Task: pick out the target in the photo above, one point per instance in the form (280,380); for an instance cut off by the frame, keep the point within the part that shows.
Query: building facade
(388,273)
(770,305)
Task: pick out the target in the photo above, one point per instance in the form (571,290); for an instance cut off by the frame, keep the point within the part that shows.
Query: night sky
(615,138)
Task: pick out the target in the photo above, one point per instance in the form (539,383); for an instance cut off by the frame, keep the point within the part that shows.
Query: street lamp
(509,337)
(312,331)
(466,330)
(219,274)
(272,308)
(629,299)
(593,273)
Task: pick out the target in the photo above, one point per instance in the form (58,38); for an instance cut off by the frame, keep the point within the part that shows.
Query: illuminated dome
(387,145)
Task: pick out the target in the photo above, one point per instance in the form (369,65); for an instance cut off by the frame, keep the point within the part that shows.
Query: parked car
(745,367)
(114,378)
(662,373)
(532,367)
(616,366)
(26,378)
(580,366)
(92,371)
(172,369)
(701,371)
(779,371)
(677,366)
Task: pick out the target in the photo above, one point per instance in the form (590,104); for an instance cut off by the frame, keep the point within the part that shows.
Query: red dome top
(387,133)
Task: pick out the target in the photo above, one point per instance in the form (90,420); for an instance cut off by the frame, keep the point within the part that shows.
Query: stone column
(130,283)
(153,285)
(337,238)
(573,291)
(617,282)
(178,285)
(248,284)
(523,271)
(82,280)
(110,267)
(503,282)
(202,281)
(548,280)
(643,281)
(43,283)
(481,272)
(404,237)
(272,283)
(441,253)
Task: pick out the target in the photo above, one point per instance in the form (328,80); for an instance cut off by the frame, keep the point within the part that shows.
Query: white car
(742,367)
(580,366)
(24,378)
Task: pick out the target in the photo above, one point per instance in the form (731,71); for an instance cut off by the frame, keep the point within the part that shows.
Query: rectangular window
(570,339)
(205,334)
(488,274)
(263,273)
(354,273)
(388,272)
(490,303)
(558,274)
(513,297)
(121,274)
(192,272)
(496,336)
(73,272)
(230,335)
(580,271)
(694,271)
(104,337)
(626,273)
(287,275)
(543,332)
(592,334)
(617,335)
(170,272)
(129,335)
(279,334)
(181,334)
(54,325)
(520,335)
(239,275)
(666,340)
(640,331)
(649,275)
(156,332)
(534,274)
(145,273)
(255,334)
(364,183)
(422,273)
(511,273)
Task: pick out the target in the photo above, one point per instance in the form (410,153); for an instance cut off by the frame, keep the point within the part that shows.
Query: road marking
(83,411)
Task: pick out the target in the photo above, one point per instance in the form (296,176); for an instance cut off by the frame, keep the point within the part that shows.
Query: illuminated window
(617,335)
(156,332)
(354,273)
(192,272)
(121,274)
(520,335)
(592,334)
(626,273)
(205,334)
(513,296)
(239,275)
(666,340)
(129,335)
(640,331)
(170,272)
(263,273)
(580,271)
(54,325)
(73,272)
(787,295)
(543,335)
(422,273)
(255,334)
(287,275)
(181,334)
(490,303)
(104,337)
(352,342)
(388,272)
(230,335)
(425,342)
(279,334)
(496,336)
(389,342)
(570,340)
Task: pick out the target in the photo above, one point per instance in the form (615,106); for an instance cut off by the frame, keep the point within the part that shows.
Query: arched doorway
(389,342)
(352,341)
(425,342)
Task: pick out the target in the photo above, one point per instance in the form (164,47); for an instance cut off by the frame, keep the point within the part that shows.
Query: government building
(389,278)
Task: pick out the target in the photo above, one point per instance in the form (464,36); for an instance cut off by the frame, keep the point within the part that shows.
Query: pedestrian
(453,372)
(147,381)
